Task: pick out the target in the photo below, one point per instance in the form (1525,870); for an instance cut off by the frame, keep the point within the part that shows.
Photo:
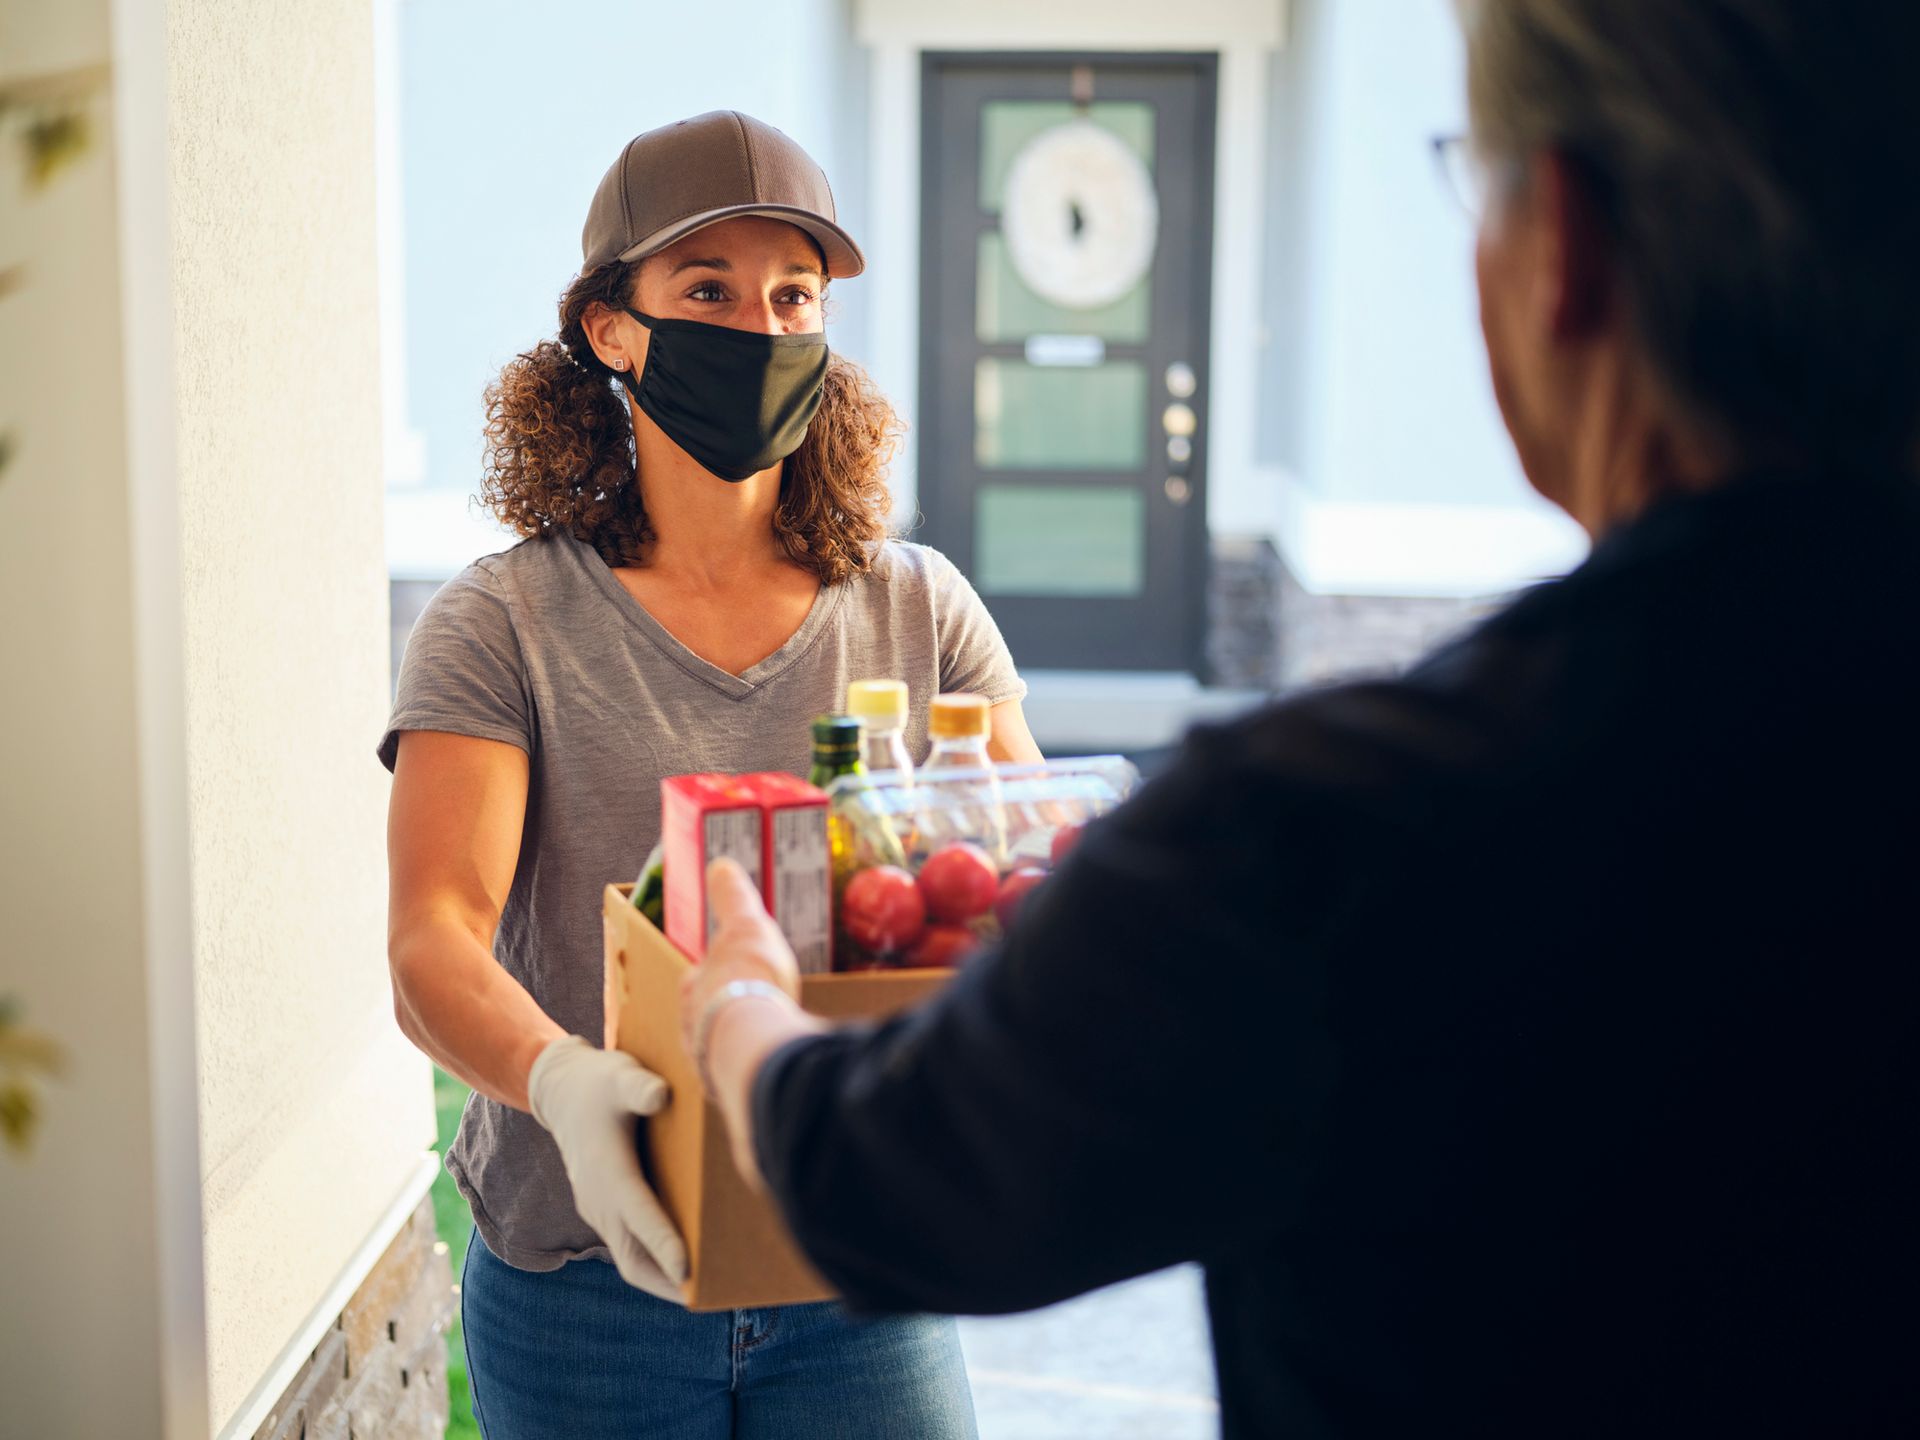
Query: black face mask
(735,400)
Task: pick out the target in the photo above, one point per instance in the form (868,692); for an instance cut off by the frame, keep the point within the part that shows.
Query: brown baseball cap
(669,182)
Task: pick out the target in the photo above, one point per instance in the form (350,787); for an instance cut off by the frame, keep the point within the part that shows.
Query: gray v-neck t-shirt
(543,648)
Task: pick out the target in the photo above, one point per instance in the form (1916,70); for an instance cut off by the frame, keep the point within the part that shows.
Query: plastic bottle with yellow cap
(960,725)
(881,708)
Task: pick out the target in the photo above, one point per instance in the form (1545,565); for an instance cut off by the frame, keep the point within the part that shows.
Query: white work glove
(587,1098)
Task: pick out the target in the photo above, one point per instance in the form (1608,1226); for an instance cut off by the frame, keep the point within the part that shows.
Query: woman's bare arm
(453,840)
(1011,743)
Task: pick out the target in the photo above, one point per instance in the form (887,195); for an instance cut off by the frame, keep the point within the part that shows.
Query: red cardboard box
(703,817)
(776,826)
(798,865)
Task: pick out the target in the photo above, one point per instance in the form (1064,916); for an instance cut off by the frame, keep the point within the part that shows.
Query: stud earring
(619,364)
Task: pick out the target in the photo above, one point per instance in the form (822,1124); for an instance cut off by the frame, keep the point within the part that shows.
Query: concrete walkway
(1127,1363)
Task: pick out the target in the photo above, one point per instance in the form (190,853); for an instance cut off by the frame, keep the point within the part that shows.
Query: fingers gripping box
(738,1250)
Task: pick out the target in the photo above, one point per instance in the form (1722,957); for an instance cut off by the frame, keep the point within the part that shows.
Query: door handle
(1180,423)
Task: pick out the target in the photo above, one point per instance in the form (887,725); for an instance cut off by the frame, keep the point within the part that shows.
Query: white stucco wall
(1375,264)
(314,1110)
(1394,471)
(99,1225)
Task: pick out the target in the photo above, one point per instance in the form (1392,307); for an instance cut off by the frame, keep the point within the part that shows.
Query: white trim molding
(1235,500)
(142,164)
(1072,24)
(403,446)
(894,251)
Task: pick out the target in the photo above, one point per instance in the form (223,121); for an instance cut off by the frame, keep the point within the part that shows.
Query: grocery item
(1013,892)
(650,889)
(881,708)
(836,752)
(702,818)
(836,749)
(882,910)
(959,882)
(916,892)
(1064,839)
(942,947)
(799,868)
(960,725)
(775,826)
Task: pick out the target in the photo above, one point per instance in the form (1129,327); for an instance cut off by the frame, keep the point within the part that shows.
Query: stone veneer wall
(1341,637)
(1267,632)
(1243,615)
(380,1373)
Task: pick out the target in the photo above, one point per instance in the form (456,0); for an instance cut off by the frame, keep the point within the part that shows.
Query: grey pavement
(1130,1362)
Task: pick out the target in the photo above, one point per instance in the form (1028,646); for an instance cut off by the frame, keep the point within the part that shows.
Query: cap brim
(843,257)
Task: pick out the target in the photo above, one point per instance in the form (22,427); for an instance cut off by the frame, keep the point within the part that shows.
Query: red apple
(959,881)
(1013,892)
(882,909)
(942,947)
(1064,839)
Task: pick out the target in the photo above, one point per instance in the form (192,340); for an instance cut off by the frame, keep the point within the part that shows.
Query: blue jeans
(578,1352)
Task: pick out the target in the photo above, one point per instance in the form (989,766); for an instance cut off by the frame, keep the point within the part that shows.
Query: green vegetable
(650,890)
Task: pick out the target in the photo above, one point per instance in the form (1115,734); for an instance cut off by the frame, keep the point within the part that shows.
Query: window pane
(1008,310)
(1006,125)
(1059,540)
(1033,417)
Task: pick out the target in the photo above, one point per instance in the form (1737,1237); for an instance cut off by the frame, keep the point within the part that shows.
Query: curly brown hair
(560,454)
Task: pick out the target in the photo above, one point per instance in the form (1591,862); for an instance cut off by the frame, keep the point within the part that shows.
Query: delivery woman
(700,484)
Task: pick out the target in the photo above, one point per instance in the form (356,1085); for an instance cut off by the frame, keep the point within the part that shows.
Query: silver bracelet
(728,993)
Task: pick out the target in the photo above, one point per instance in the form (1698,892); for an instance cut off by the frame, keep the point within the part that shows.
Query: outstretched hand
(746,946)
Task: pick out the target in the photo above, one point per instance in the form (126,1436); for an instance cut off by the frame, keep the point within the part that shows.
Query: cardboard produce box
(739,1252)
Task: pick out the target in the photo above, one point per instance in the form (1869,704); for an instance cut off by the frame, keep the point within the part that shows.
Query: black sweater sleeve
(1133,1080)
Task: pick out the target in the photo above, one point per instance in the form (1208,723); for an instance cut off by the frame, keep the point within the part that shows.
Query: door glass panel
(1033,417)
(1059,540)
(1008,310)
(1006,125)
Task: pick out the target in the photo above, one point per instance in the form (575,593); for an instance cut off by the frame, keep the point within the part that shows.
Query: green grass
(455,1224)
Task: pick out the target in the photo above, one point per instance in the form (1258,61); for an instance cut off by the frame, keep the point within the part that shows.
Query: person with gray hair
(1734,186)
(1525,1046)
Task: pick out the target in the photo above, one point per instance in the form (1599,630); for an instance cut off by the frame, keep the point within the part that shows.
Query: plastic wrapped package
(957,851)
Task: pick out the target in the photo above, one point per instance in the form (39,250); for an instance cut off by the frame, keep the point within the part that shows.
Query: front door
(1066,225)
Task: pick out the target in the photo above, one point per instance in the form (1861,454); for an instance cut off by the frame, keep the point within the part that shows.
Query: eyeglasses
(1468,177)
